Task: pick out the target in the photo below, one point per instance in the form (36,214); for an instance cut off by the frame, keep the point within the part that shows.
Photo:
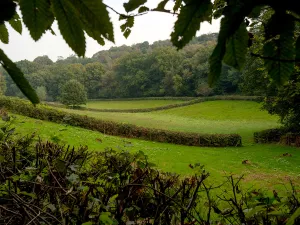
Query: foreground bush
(118,129)
(45,183)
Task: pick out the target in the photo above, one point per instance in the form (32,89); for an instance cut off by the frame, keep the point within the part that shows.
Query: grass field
(266,167)
(242,117)
(137,104)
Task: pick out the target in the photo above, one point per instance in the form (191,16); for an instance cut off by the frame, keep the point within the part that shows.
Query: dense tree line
(141,70)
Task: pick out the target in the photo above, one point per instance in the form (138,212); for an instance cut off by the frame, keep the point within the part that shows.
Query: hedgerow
(170,106)
(46,183)
(279,135)
(119,129)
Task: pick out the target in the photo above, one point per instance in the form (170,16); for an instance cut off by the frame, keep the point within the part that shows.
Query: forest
(140,70)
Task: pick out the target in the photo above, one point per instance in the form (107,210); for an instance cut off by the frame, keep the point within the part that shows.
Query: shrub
(45,183)
(119,129)
(73,94)
(280,135)
(268,136)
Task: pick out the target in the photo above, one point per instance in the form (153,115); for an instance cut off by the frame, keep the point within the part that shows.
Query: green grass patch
(137,104)
(223,117)
(266,165)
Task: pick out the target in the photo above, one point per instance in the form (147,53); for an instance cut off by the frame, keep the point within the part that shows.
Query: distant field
(136,104)
(242,117)
(267,167)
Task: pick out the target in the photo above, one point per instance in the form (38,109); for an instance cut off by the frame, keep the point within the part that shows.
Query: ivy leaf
(3,34)
(236,48)
(95,19)
(69,25)
(292,219)
(188,23)
(37,16)
(132,5)
(18,77)
(16,23)
(143,9)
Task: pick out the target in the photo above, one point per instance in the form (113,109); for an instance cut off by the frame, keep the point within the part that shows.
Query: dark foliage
(280,135)
(268,136)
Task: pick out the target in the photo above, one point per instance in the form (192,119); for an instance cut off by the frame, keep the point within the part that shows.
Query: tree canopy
(76,17)
(140,70)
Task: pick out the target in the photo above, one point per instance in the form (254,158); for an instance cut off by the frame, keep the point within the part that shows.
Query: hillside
(140,70)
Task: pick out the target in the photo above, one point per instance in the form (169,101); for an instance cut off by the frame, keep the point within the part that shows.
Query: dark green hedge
(268,136)
(171,106)
(278,135)
(119,129)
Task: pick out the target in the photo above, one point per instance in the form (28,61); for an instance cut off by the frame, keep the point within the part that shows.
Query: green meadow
(266,163)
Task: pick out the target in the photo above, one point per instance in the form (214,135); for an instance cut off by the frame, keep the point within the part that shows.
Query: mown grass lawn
(267,167)
(136,104)
(241,117)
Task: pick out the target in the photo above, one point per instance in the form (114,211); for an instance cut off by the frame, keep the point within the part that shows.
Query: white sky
(151,27)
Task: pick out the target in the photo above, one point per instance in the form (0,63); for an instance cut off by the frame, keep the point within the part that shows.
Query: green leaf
(125,28)
(189,19)
(18,77)
(95,19)
(177,5)
(127,33)
(236,48)
(32,195)
(88,223)
(37,16)
(3,34)
(16,23)
(69,25)
(143,9)
(73,178)
(292,219)
(279,51)
(105,218)
(161,6)
(132,5)
(255,12)
(215,60)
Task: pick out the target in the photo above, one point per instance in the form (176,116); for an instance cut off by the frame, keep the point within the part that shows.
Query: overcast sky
(151,27)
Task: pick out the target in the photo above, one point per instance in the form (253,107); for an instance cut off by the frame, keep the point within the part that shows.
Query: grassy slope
(242,117)
(266,166)
(138,104)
